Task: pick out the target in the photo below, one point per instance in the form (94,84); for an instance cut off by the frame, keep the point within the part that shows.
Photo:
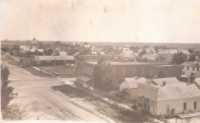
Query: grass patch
(12,112)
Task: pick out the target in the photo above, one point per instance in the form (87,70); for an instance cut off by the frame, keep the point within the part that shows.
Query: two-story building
(191,69)
(169,97)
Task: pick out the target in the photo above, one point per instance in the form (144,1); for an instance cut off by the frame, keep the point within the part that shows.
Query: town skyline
(97,41)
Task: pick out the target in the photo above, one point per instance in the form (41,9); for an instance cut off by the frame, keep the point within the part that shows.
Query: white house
(190,68)
(168,96)
(131,86)
(126,52)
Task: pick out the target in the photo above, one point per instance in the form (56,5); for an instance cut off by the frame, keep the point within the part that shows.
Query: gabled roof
(167,81)
(190,63)
(178,91)
(171,89)
(49,58)
(131,83)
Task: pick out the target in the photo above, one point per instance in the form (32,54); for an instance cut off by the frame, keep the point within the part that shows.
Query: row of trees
(9,112)
(5,90)
(180,57)
(102,78)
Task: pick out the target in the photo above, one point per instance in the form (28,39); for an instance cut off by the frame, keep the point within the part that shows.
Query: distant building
(150,57)
(130,87)
(55,59)
(46,60)
(191,68)
(63,53)
(126,52)
(167,51)
(121,70)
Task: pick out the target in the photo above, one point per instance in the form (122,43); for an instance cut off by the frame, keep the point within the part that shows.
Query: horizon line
(82,41)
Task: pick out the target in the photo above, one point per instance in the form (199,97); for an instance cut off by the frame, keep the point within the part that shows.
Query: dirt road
(38,100)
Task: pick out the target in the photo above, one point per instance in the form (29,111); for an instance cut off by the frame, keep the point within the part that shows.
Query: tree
(15,50)
(101,78)
(4,73)
(134,48)
(142,52)
(84,50)
(192,55)
(179,58)
(5,90)
(48,51)
(190,51)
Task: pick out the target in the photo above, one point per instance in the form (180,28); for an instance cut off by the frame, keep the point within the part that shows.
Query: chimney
(191,78)
(163,84)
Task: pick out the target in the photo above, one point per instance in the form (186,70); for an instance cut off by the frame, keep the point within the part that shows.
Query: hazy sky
(101,20)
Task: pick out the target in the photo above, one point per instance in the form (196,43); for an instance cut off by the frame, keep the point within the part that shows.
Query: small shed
(131,86)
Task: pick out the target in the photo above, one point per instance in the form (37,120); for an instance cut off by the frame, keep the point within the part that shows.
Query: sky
(101,20)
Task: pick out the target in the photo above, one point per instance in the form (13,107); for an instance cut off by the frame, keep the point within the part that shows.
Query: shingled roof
(178,91)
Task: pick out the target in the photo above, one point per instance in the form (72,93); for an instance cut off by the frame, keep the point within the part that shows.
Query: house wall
(133,93)
(164,107)
(169,71)
(147,91)
(153,107)
(188,69)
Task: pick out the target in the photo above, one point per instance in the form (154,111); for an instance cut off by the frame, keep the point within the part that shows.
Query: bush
(12,112)
(179,58)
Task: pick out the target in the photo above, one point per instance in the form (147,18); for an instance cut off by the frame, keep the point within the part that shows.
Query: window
(185,106)
(168,109)
(161,74)
(198,68)
(188,67)
(195,105)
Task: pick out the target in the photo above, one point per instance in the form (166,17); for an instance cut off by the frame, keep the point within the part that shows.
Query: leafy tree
(101,78)
(142,52)
(15,50)
(191,51)
(179,58)
(48,52)
(4,73)
(5,90)
(192,55)
(134,48)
